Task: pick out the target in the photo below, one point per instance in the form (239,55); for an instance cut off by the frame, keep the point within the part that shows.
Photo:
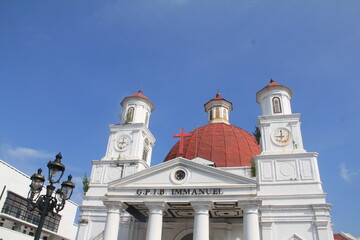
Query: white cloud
(23,158)
(10,153)
(347,174)
(24,153)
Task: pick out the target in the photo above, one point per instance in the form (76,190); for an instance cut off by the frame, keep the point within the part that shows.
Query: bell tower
(129,146)
(131,140)
(288,176)
(128,151)
(279,127)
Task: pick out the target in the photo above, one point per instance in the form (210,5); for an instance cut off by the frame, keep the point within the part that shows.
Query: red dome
(223,144)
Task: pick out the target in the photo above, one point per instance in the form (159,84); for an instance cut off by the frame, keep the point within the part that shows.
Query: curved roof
(217,97)
(223,144)
(273,84)
(139,94)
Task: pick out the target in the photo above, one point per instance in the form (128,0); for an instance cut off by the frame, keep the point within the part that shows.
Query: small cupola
(274,99)
(136,109)
(218,109)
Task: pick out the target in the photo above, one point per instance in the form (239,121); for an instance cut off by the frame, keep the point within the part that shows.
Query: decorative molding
(295,237)
(280,117)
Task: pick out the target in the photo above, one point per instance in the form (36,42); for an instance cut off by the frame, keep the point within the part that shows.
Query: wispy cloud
(347,174)
(24,153)
(23,157)
(26,160)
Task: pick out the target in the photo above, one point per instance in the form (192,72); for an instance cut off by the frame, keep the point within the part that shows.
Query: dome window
(276,105)
(225,114)
(217,113)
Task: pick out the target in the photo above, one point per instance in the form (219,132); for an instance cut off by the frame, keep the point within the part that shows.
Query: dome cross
(182,136)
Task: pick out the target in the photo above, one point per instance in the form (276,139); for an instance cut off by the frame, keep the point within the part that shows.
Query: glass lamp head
(37,181)
(67,188)
(56,169)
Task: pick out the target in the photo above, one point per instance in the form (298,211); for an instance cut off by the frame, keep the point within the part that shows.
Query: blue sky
(66,65)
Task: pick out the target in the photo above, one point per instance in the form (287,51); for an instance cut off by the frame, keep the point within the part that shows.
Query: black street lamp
(49,202)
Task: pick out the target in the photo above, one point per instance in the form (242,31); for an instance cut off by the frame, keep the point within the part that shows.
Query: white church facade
(216,183)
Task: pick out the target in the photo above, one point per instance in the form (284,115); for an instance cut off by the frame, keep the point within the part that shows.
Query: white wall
(11,179)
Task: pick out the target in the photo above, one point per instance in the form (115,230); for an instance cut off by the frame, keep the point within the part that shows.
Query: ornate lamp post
(49,202)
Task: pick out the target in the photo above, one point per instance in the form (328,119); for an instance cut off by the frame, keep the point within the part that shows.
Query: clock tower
(279,126)
(285,169)
(283,158)
(130,142)
(128,151)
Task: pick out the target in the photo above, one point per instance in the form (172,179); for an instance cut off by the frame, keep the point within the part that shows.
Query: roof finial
(140,91)
(271,80)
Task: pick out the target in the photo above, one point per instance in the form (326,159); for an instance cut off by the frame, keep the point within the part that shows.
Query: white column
(201,221)
(112,221)
(251,222)
(131,229)
(155,221)
(228,231)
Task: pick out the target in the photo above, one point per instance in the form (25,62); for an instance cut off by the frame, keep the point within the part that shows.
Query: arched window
(276,105)
(188,237)
(211,114)
(225,114)
(130,115)
(217,113)
(145,154)
(146,118)
(146,149)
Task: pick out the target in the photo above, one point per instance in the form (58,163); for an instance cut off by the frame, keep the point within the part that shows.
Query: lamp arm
(60,206)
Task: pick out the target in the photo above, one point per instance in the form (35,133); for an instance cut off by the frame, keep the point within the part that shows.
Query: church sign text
(180,192)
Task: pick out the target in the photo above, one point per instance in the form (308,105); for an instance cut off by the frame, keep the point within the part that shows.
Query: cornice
(279,117)
(286,155)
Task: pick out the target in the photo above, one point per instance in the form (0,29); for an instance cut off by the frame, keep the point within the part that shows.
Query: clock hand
(281,136)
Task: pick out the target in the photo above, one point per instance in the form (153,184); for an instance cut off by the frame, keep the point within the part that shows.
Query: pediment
(295,237)
(181,172)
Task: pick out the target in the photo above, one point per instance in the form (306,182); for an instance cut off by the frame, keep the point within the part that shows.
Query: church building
(218,182)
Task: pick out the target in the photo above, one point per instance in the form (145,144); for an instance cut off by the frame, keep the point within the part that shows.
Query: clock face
(281,136)
(122,142)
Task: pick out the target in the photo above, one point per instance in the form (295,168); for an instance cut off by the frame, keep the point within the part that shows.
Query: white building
(17,222)
(217,183)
